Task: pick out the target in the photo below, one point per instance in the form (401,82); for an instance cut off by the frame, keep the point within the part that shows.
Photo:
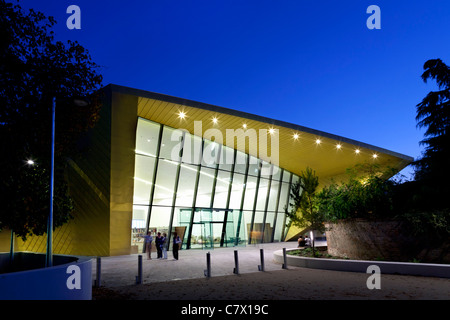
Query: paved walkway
(119,273)
(122,270)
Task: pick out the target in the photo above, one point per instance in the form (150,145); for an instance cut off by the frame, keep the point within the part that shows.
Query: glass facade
(211,195)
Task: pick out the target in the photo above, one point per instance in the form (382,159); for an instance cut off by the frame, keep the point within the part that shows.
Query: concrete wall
(381,240)
(386,267)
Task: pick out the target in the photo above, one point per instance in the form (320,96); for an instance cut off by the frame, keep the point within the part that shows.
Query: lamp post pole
(49,257)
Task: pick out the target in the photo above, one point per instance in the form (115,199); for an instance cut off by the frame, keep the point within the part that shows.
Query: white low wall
(70,281)
(387,267)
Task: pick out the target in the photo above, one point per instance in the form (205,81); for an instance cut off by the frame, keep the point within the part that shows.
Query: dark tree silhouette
(34,69)
(433,114)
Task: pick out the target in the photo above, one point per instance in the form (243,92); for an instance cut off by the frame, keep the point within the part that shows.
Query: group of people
(161,244)
(304,241)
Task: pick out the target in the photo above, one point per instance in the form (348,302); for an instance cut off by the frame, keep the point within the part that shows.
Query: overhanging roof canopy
(298,146)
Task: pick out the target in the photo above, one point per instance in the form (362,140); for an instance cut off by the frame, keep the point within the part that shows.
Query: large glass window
(186,185)
(279,226)
(138,227)
(211,154)
(236,191)
(165,182)
(192,149)
(226,159)
(143,177)
(147,136)
(258,227)
(250,191)
(204,191)
(254,166)
(222,185)
(168,158)
(273,195)
(171,144)
(248,221)
(283,196)
(241,162)
(262,194)
(276,173)
(160,219)
(269,227)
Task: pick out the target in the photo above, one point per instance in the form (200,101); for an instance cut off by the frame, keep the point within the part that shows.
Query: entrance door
(212,228)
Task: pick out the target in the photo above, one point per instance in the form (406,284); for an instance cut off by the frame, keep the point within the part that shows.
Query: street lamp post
(49,257)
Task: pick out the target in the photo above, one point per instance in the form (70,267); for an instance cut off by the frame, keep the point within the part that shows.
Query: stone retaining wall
(381,240)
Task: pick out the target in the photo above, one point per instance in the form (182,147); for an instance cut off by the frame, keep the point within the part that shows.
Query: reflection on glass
(250,191)
(254,166)
(160,219)
(241,162)
(236,191)
(211,154)
(279,227)
(138,227)
(273,196)
(268,227)
(147,135)
(165,182)
(192,149)
(144,168)
(186,185)
(283,196)
(205,185)
(226,159)
(262,194)
(171,144)
(221,193)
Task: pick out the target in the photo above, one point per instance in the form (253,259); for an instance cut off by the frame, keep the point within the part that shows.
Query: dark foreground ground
(291,284)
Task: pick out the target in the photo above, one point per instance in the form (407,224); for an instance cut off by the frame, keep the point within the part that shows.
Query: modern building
(218,177)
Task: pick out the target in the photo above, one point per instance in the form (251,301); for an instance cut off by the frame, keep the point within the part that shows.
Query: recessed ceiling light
(182,115)
(338,146)
(374,156)
(296,136)
(30,162)
(318,141)
(215,120)
(244,126)
(357,151)
(271,130)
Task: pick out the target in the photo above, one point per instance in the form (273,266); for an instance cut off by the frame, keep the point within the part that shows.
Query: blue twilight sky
(310,62)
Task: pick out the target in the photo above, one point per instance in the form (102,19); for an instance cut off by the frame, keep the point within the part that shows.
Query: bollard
(98,281)
(139,276)
(207,272)
(236,263)
(284,259)
(261,267)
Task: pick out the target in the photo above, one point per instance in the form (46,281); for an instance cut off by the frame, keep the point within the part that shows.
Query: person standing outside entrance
(164,245)
(159,243)
(148,244)
(176,245)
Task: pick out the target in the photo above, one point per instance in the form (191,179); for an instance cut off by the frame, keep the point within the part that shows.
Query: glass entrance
(211,228)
